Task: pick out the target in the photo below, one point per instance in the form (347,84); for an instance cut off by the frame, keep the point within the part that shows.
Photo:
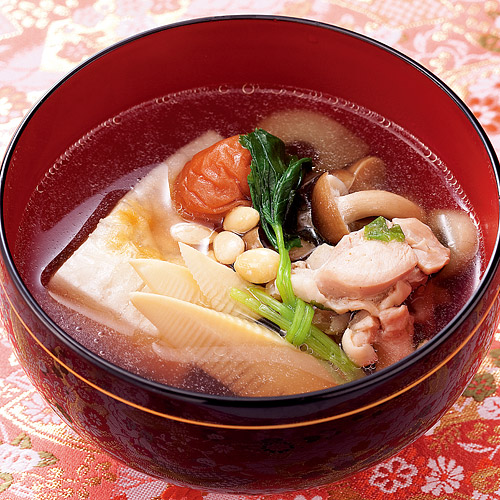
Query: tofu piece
(97,279)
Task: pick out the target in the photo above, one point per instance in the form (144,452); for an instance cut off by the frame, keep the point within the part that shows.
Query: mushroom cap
(335,145)
(368,173)
(457,231)
(326,217)
(332,210)
(345,176)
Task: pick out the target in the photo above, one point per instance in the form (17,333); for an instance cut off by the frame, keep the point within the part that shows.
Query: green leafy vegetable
(273,181)
(378,230)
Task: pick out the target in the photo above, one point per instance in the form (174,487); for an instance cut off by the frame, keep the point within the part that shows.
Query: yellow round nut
(241,219)
(227,246)
(258,265)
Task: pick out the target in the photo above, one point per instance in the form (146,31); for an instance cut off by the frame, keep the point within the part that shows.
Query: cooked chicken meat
(395,338)
(431,254)
(358,268)
(374,277)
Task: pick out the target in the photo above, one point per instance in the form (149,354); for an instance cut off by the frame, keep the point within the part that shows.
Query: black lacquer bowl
(225,443)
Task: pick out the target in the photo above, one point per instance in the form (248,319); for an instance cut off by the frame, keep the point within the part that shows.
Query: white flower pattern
(477,495)
(490,409)
(445,477)
(392,475)
(38,411)
(14,459)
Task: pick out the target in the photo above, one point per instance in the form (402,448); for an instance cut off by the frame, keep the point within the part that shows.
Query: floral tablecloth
(41,458)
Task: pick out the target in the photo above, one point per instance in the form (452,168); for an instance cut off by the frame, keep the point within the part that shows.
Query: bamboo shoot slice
(215,281)
(166,278)
(246,357)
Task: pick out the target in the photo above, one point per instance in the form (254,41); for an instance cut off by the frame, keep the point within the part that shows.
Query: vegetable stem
(298,315)
(248,300)
(321,345)
(283,278)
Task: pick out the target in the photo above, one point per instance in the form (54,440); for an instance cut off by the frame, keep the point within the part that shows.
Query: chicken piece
(375,278)
(383,340)
(304,284)
(397,295)
(431,254)
(305,287)
(359,337)
(417,278)
(318,257)
(372,275)
(358,268)
(355,274)
(395,338)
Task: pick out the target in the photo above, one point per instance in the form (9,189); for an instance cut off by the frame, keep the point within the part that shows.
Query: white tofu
(97,279)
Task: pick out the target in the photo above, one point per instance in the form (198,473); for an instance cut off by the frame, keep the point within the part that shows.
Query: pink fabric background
(40,458)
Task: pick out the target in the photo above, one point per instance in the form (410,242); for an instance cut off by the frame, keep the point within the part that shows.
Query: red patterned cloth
(40,458)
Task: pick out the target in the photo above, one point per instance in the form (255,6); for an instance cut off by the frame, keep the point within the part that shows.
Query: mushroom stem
(374,203)
(332,210)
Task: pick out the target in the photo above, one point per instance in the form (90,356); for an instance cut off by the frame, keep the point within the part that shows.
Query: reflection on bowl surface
(193,421)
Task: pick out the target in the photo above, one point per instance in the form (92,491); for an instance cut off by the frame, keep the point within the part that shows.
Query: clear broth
(111,158)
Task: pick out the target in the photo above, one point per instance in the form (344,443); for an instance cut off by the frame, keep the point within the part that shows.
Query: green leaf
(378,230)
(273,181)
(285,190)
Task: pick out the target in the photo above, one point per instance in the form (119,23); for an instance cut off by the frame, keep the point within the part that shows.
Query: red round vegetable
(214,181)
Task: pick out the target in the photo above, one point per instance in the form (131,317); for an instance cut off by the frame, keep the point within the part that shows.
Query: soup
(173,241)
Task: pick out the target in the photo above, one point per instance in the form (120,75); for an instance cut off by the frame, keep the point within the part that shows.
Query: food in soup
(241,262)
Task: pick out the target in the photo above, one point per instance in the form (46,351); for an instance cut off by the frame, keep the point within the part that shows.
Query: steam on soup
(289,244)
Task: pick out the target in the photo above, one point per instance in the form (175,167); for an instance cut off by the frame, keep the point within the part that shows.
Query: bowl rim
(254,402)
